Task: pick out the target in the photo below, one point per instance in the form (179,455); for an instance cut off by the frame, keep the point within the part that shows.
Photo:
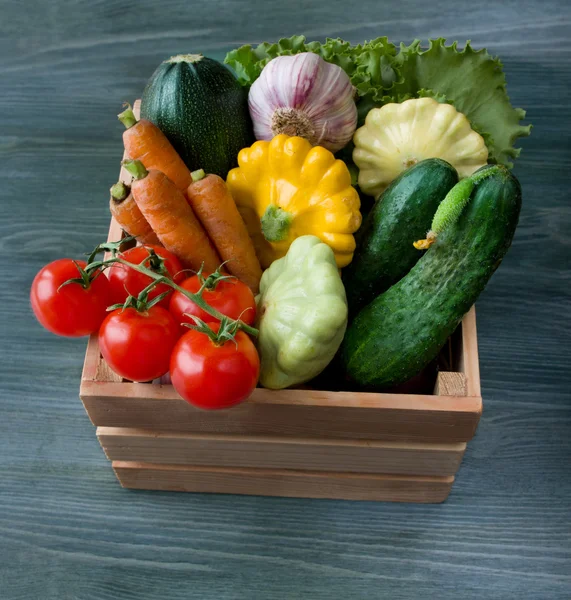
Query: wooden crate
(302,442)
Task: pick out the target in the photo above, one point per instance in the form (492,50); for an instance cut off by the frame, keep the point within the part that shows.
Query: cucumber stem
(136,168)
(119,191)
(127,117)
(450,209)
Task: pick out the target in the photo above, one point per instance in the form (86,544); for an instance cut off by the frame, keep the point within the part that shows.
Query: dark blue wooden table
(68,531)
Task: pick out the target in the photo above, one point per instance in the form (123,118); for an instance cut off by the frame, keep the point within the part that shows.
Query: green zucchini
(400,332)
(403,213)
(202,109)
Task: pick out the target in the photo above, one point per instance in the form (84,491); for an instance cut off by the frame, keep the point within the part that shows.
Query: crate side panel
(355,456)
(423,418)
(295,484)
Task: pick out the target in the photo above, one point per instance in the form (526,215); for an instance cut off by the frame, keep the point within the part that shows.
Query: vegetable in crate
(137,342)
(214,206)
(124,281)
(302,314)
(166,209)
(201,108)
(144,141)
(403,213)
(213,367)
(370,66)
(401,331)
(305,96)
(225,293)
(126,212)
(285,189)
(470,80)
(68,301)
(398,136)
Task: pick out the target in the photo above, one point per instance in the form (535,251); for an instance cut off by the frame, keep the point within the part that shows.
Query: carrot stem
(136,168)
(198,175)
(127,117)
(119,191)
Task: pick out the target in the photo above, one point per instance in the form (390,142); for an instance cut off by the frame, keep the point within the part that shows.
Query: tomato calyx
(210,282)
(155,262)
(114,248)
(141,303)
(226,331)
(85,277)
(152,261)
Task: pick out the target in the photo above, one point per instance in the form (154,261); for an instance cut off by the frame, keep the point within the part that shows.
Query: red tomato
(125,281)
(138,345)
(212,376)
(72,311)
(230,297)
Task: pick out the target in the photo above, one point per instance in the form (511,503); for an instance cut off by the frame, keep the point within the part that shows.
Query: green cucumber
(202,109)
(401,331)
(403,213)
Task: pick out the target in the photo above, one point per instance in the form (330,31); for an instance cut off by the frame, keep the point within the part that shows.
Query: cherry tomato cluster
(147,329)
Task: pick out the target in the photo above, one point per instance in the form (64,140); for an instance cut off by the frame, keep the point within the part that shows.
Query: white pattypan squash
(397,136)
(302,314)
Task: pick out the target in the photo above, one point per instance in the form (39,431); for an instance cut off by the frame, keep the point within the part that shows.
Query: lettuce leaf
(374,70)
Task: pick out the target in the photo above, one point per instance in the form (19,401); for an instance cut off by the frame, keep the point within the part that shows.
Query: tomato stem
(209,283)
(226,331)
(158,278)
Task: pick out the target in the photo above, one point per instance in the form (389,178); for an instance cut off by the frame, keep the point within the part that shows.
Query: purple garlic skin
(306,96)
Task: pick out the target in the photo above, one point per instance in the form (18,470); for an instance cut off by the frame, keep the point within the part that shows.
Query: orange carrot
(144,141)
(127,214)
(171,217)
(216,210)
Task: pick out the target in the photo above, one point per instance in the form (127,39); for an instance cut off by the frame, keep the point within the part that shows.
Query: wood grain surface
(67,529)
(272,452)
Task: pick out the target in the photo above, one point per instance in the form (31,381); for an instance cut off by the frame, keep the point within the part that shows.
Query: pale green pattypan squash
(302,314)
(397,136)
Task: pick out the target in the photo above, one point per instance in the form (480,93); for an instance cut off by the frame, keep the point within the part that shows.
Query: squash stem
(276,223)
(127,117)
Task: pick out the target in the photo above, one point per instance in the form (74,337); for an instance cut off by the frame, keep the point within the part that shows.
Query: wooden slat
(268,452)
(469,361)
(115,232)
(449,383)
(91,362)
(301,413)
(274,482)
(106,373)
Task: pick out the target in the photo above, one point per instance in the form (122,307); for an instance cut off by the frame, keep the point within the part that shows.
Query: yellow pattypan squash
(286,188)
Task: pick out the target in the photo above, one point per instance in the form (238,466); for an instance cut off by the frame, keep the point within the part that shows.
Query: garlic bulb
(303,95)
(397,136)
